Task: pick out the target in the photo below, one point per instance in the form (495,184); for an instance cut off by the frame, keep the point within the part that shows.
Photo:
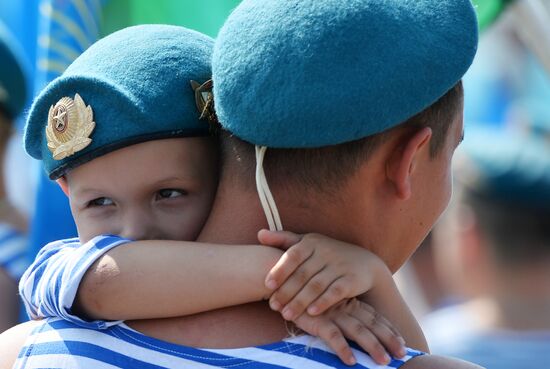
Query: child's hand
(317,272)
(358,322)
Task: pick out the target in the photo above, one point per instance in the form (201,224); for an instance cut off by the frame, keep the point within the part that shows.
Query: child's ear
(62,182)
(402,162)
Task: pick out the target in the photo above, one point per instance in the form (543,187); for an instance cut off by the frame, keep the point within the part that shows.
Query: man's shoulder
(438,362)
(12,340)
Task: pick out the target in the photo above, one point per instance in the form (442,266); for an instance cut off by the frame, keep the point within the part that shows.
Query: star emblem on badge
(70,125)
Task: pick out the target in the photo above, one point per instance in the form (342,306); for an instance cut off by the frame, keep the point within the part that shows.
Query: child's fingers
(390,337)
(357,331)
(287,265)
(293,285)
(330,333)
(334,338)
(381,329)
(337,291)
(317,286)
(281,239)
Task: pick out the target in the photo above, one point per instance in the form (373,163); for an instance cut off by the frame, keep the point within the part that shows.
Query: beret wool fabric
(506,167)
(13,87)
(137,82)
(311,73)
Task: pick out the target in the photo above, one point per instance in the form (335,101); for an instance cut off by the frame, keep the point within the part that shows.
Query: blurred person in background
(12,224)
(492,249)
(508,89)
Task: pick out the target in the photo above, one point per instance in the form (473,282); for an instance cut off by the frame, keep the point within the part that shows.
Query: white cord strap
(266,198)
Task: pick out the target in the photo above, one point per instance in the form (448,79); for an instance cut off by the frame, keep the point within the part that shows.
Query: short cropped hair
(325,169)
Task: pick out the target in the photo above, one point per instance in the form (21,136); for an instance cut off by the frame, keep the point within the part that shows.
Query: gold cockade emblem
(70,124)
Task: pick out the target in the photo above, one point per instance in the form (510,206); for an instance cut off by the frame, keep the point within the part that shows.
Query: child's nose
(135,233)
(139,226)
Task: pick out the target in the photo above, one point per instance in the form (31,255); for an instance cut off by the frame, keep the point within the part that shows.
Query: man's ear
(62,182)
(402,162)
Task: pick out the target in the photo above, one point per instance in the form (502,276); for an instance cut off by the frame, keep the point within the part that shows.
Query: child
(124,142)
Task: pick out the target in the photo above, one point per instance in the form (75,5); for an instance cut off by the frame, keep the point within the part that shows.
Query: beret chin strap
(266,198)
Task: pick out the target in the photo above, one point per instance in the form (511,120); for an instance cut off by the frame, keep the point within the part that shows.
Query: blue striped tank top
(56,343)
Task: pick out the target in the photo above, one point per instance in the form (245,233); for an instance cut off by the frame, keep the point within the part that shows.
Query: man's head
(120,132)
(405,169)
(332,86)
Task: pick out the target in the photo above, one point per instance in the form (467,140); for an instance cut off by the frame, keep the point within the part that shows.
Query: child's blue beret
(13,87)
(130,87)
(506,167)
(310,73)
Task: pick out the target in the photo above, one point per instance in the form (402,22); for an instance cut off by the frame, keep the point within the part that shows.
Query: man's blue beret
(13,83)
(506,167)
(133,86)
(311,73)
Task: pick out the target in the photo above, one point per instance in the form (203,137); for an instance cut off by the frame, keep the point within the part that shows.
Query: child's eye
(101,201)
(170,193)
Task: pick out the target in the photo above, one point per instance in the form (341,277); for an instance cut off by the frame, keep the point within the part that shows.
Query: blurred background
(480,283)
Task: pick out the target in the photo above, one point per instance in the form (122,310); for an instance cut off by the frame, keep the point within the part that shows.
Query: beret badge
(70,124)
(204,100)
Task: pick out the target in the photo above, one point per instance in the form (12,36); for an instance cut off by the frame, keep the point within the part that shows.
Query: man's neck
(236,217)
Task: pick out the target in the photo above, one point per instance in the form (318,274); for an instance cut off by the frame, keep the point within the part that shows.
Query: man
(497,235)
(13,243)
(310,73)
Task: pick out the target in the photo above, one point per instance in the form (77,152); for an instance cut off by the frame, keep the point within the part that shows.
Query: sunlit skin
(431,192)
(395,197)
(161,189)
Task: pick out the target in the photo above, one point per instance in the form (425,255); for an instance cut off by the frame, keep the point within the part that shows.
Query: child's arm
(317,272)
(123,279)
(160,279)
(48,287)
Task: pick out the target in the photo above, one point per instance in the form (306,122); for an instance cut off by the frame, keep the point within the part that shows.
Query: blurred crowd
(481,280)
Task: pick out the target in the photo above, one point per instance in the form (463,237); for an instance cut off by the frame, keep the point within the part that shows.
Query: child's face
(160,189)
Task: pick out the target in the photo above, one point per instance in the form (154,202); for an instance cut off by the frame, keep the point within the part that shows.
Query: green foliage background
(205,16)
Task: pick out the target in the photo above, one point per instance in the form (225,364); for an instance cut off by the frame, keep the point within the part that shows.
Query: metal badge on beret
(70,124)
(204,99)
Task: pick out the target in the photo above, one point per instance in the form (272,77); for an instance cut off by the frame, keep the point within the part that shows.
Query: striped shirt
(13,251)
(56,343)
(48,287)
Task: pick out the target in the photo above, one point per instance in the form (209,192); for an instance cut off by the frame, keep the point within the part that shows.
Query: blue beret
(311,73)
(130,87)
(505,167)
(13,87)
